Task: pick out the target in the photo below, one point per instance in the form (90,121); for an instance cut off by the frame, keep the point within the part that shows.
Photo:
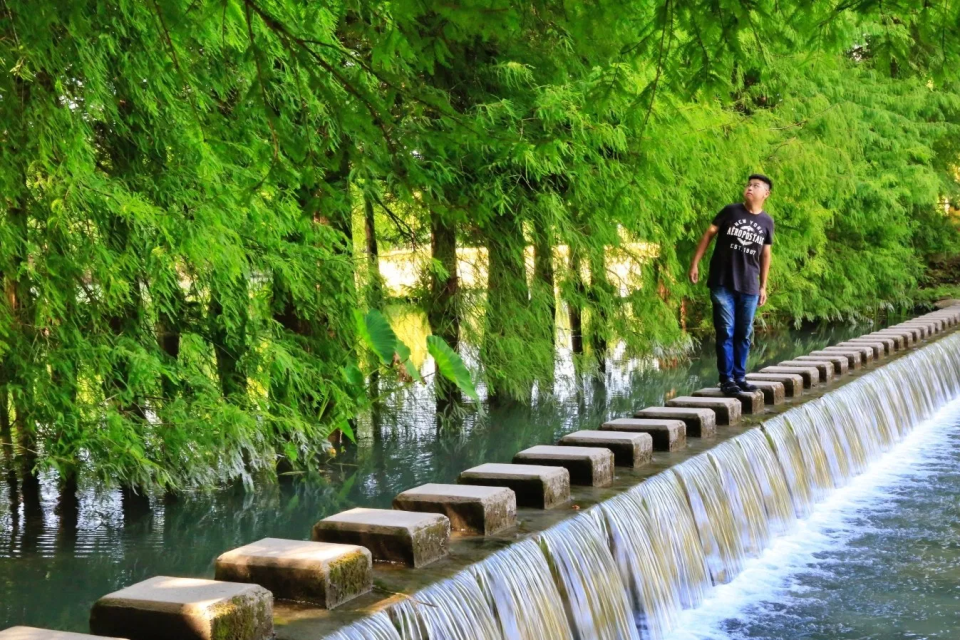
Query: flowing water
(713,547)
(57,555)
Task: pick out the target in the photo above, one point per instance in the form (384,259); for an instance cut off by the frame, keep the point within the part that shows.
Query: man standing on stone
(738,278)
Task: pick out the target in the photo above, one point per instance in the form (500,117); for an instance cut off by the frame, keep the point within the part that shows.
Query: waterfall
(627,567)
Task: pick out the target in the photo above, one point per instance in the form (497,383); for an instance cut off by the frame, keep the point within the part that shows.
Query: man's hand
(763,296)
(694,273)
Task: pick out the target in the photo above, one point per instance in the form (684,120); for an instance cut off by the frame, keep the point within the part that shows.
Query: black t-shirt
(736,258)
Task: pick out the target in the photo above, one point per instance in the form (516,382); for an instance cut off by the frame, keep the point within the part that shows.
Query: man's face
(756,191)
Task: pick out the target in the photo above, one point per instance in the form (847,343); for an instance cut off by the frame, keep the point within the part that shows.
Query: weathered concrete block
(403,537)
(164,608)
(588,466)
(897,340)
(889,343)
(910,337)
(792,382)
(840,363)
(751,402)
(321,573)
(924,329)
(728,410)
(854,357)
(667,435)
(810,375)
(879,349)
(629,449)
(774,393)
(929,327)
(472,509)
(701,423)
(33,633)
(536,486)
(824,369)
(866,353)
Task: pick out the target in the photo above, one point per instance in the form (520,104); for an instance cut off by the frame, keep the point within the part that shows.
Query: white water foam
(832,523)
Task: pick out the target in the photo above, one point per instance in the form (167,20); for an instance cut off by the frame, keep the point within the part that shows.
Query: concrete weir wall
(363,561)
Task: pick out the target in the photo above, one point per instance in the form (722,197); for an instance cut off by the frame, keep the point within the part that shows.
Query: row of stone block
(337,565)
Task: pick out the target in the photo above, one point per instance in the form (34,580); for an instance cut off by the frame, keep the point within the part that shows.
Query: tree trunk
(229,339)
(507,296)
(443,312)
(544,291)
(169,324)
(375,280)
(574,308)
(600,298)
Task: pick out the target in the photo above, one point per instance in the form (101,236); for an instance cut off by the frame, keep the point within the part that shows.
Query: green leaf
(381,338)
(353,375)
(403,352)
(450,365)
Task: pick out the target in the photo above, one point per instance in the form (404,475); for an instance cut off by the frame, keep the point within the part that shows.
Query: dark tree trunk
(600,298)
(375,290)
(574,308)
(543,278)
(229,339)
(443,312)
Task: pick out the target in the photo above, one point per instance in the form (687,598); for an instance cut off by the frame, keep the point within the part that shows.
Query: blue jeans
(733,319)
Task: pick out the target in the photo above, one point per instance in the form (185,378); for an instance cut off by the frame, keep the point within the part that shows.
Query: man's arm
(765,257)
(701,249)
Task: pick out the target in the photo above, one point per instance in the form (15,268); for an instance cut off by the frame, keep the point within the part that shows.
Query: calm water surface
(56,559)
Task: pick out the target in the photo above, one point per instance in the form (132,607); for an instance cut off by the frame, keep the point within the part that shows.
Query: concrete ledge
(164,608)
(840,364)
(629,449)
(667,435)
(792,382)
(909,337)
(401,537)
(33,633)
(472,509)
(590,466)
(701,423)
(824,369)
(751,402)
(925,329)
(854,356)
(810,375)
(537,486)
(728,410)
(318,572)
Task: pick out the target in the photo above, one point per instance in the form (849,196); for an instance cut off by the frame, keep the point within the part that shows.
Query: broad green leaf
(403,352)
(450,365)
(352,374)
(382,340)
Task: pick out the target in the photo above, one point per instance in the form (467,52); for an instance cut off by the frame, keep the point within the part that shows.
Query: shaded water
(57,556)
(699,535)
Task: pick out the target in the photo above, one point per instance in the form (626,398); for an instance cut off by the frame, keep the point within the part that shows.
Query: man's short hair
(760,176)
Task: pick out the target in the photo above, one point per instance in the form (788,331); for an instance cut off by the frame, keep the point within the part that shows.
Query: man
(738,278)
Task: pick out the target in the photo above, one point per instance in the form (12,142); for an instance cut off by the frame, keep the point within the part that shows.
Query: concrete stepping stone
(866,353)
(774,393)
(792,382)
(751,402)
(909,337)
(629,449)
(322,573)
(400,537)
(853,355)
(889,343)
(824,369)
(840,363)
(879,349)
(667,435)
(589,466)
(535,486)
(923,330)
(185,609)
(472,509)
(701,423)
(33,633)
(897,340)
(728,410)
(810,375)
